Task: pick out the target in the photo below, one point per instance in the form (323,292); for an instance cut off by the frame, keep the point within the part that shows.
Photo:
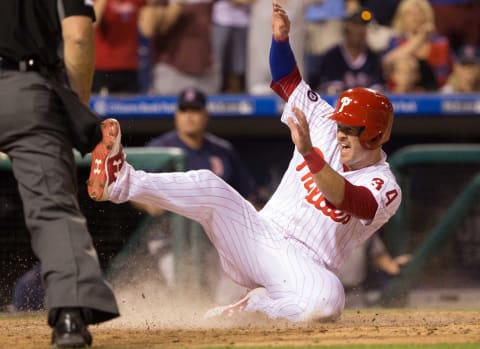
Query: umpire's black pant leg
(70,269)
(44,167)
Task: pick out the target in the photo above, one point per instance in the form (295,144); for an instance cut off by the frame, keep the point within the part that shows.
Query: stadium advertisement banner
(271,106)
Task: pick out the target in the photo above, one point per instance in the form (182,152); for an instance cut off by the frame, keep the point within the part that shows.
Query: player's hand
(300,132)
(392,266)
(280,22)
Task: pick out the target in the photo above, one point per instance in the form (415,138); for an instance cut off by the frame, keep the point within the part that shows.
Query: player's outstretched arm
(356,200)
(283,67)
(330,183)
(280,22)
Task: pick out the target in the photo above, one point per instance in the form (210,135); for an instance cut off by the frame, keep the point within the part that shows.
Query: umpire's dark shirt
(32,28)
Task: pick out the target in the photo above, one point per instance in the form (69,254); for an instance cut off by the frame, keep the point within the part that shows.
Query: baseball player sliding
(337,191)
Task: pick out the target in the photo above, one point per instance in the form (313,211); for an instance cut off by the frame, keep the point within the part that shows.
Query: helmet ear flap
(372,143)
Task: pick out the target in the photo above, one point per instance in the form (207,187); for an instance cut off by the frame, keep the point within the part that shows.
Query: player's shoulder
(169,139)
(305,97)
(217,142)
(383,186)
(378,177)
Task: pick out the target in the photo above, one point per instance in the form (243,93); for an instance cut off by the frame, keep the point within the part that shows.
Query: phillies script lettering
(317,199)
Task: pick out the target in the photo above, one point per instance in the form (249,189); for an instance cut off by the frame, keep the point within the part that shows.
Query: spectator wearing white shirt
(231,19)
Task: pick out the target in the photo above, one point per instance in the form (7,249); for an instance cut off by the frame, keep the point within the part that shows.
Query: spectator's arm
(99,8)
(159,19)
(382,260)
(152,210)
(79,54)
(409,47)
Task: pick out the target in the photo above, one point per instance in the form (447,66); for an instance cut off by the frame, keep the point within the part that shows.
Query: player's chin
(345,156)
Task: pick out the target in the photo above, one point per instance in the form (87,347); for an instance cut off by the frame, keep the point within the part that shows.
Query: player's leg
(250,250)
(231,222)
(295,287)
(300,289)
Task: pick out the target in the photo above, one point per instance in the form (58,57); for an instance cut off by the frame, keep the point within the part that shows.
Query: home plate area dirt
(367,326)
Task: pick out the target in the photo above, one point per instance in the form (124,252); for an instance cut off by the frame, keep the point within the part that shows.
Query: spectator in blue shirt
(351,63)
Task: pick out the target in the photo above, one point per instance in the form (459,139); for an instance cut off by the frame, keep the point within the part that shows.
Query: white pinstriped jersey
(298,210)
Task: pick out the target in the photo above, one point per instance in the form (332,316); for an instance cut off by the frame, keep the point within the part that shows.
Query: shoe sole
(98,178)
(72,341)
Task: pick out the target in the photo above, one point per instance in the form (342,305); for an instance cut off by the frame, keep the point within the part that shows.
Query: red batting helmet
(368,108)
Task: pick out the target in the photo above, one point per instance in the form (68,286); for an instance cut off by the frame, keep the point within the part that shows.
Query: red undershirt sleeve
(358,201)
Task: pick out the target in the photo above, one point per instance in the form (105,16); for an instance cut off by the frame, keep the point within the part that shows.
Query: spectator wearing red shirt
(116,44)
(414,24)
(182,47)
(458,20)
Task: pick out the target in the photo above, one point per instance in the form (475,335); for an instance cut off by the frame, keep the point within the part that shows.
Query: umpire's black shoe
(70,330)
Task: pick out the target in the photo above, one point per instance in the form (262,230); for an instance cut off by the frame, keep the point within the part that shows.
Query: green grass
(352,346)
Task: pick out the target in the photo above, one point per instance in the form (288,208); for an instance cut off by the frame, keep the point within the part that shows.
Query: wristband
(315,161)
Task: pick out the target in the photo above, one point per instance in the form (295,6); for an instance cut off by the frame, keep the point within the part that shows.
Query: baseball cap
(468,54)
(360,16)
(192,98)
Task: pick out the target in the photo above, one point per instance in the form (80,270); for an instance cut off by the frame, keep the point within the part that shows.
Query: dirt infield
(356,327)
(152,318)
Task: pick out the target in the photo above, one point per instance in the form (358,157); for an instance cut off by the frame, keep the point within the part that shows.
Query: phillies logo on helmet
(344,102)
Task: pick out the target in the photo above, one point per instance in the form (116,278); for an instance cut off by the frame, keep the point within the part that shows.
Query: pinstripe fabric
(294,245)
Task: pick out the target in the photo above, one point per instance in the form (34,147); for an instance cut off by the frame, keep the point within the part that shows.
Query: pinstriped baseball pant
(251,252)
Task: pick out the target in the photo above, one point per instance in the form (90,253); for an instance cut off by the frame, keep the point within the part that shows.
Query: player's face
(191,122)
(352,153)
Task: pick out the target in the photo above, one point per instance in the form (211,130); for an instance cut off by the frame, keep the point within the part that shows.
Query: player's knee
(313,311)
(329,307)
(325,313)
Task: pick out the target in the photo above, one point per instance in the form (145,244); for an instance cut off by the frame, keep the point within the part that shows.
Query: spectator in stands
(260,36)
(203,150)
(410,75)
(465,77)
(383,11)
(351,63)
(380,32)
(230,29)
(458,20)
(325,27)
(323,31)
(116,44)
(182,49)
(415,29)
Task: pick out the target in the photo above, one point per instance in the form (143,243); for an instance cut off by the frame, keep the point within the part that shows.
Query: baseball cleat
(107,160)
(235,308)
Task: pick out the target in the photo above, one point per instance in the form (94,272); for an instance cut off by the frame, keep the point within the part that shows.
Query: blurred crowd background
(221,46)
